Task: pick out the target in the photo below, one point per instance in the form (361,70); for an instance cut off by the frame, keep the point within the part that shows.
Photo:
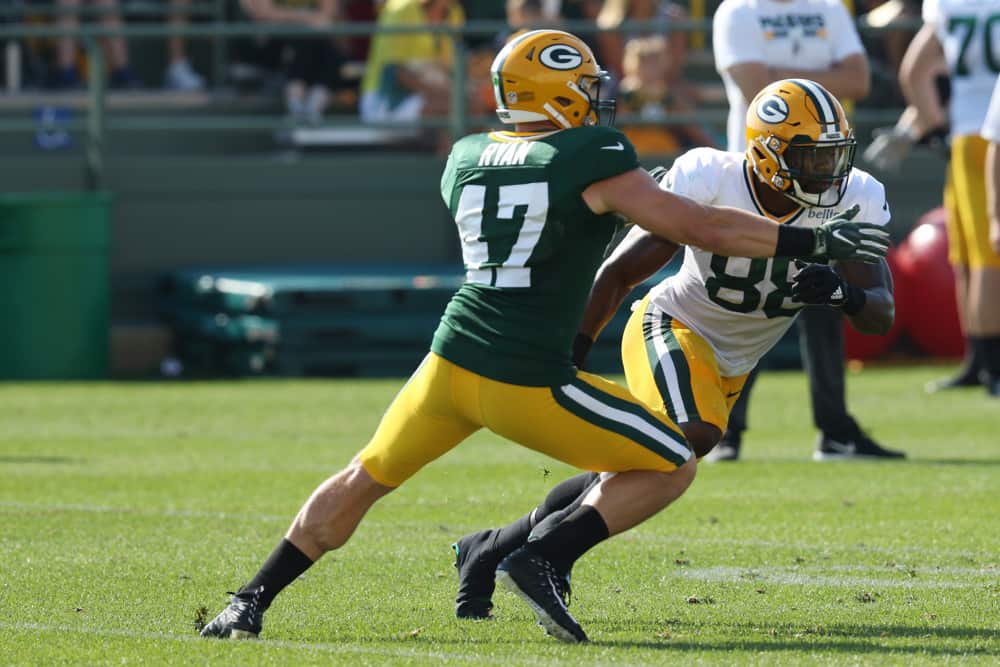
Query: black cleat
(476,576)
(969,378)
(859,447)
(536,581)
(242,619)
(725,450)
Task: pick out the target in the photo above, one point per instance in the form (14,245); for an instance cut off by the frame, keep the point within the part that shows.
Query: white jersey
(743,306)
(969,32)
(804,34)
(991,126)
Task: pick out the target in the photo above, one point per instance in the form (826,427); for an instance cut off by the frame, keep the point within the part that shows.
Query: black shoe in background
(857,447)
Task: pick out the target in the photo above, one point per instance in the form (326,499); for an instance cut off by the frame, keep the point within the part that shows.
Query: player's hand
(817,285)
(888,149)
(995,234)
(842,239)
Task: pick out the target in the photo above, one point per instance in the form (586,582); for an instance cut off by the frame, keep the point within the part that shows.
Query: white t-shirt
(962,26)
(802,34)
(991,126)
(743,306)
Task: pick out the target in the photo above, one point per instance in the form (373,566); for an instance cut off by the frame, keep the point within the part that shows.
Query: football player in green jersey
(535,210)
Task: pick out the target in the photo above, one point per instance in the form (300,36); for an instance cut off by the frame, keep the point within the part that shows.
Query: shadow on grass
(835,639)
(955,462)
(33,458)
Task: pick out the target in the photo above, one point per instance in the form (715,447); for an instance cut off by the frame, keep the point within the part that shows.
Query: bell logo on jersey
(560,56)
(822,213)
(772,109)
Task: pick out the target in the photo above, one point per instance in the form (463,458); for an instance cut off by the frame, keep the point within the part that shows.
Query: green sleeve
(605,153)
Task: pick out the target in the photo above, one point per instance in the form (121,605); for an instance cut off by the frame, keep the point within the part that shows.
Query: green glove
(842,239)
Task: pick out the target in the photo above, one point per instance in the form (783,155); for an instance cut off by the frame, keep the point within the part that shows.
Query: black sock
(564,493)
(281,568)
(973,361)
(568,493)
(989,350)
(510,538)
(565,542)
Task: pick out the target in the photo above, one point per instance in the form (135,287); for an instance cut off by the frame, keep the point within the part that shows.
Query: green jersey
(531,247)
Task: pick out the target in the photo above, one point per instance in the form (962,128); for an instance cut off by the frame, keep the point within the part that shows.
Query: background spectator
(180,75)
(67,73)
(612,44)
(312,65)
(645,90)
(408,75)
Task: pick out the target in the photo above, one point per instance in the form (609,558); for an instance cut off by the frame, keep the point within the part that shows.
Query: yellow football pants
(671,368)
(965,202)
(590,423)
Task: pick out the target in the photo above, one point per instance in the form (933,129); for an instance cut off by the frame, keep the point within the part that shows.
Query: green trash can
(54,293)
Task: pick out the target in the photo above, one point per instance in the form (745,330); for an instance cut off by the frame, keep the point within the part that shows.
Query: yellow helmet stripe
(825,106)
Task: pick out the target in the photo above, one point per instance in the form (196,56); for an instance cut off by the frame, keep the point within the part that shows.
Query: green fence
(97,122)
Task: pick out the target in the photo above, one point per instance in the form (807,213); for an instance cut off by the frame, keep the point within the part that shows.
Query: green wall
(273,208)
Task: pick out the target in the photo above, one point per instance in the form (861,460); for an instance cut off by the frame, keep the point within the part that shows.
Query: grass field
(129,509)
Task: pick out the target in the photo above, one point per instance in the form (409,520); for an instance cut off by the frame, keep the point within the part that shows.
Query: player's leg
(969,158)
(821,339)
(672,369)
(421,424)
(478,554)
(731,443)
(958,256)
(594,424)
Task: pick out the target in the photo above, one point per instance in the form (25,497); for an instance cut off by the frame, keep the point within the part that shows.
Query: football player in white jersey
(966,35)
(756,42)
(690,343)
(991,132)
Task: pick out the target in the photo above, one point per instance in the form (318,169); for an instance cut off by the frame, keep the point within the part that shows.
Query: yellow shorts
(672,369)
(965,202)
(591,423)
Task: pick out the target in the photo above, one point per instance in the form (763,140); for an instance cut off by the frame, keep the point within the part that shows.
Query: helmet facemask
(812,173)
(602,111)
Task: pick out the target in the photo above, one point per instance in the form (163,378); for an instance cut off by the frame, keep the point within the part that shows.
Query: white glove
(889,148)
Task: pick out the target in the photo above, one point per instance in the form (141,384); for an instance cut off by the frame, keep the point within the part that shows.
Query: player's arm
(636,258)
(862,290)
(849,78)
(728,231)
(875,282)
(639,256)
(921,64)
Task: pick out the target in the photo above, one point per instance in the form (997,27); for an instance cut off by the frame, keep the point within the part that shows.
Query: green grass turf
(126,508)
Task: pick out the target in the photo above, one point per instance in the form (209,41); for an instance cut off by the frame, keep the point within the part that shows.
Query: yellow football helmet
(549,75)
(800,142)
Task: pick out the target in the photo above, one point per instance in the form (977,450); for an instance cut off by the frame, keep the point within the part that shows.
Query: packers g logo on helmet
(772,109)
(549,75)
(560,56)
(800,143)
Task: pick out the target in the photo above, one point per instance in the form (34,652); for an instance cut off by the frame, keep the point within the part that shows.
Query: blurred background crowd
(658,69)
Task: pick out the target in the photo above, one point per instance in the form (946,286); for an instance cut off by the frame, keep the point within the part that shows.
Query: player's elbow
(875,321)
